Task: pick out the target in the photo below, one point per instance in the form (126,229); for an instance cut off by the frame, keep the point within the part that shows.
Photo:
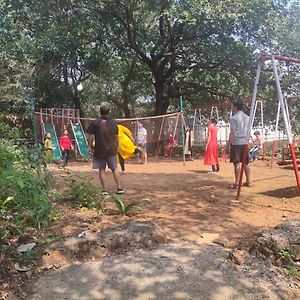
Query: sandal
(247,184)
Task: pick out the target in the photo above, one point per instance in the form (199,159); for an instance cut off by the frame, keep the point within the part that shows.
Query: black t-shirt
(106,137)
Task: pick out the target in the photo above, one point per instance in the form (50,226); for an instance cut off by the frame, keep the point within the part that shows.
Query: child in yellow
(127,148)
(48,151)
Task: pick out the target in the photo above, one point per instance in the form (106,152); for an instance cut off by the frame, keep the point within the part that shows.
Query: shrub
(25,196)
(129,208)
(85,194)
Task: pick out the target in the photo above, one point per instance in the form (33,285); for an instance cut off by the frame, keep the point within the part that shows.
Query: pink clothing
(169,146)
(211,153)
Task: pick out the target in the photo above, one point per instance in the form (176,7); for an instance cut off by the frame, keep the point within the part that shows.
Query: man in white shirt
(237,142)
(142,141)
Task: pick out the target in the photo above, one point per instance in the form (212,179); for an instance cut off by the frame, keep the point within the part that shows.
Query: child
(256,146)
(65,145)
(48,151)
(188,143)
(170,145)
(211,149)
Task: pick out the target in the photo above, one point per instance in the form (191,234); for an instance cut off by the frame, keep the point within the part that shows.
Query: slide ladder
(49,127)
(80,138)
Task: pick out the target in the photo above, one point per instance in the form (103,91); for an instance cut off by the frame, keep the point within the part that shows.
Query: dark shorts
(237,153)
(100,163)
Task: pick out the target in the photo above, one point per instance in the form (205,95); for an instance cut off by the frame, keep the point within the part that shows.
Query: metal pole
(262,129)
(275,137)
(245,150)
(194,121)
(182,128)
(286,121)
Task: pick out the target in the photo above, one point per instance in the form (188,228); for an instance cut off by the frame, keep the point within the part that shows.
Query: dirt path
(193,208)
(170,272)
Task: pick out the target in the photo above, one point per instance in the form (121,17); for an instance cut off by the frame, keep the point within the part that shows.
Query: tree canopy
(141,55)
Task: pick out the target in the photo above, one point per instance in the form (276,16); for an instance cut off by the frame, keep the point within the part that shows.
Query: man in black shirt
(105,131)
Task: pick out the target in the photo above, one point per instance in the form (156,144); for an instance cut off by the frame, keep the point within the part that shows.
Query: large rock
(129,236)
(284,237)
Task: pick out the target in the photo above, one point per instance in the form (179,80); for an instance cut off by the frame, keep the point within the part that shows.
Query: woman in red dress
(211,149)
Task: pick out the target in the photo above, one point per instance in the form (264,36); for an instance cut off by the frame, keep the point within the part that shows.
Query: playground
(174,211)
(211,221)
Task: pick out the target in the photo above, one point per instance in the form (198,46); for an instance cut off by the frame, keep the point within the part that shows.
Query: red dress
(211,154)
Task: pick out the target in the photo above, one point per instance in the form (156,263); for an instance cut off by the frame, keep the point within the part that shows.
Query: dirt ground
(193,208)
(191,204)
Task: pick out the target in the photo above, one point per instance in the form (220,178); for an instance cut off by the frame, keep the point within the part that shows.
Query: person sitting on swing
(256,146)
(170,145)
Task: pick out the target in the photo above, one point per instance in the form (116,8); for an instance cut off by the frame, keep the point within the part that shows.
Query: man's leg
(145,157)
(116,175)
(237,171)
(112,164)
(100,164)
(102,178)
(247,173)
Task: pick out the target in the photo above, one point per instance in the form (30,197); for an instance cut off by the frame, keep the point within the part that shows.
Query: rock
(28,274)
(221,241)
(22,268)
(237,256)
(132,235)
(284,237)
(26,247)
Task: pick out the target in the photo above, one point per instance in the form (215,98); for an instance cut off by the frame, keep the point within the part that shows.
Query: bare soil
(193,208)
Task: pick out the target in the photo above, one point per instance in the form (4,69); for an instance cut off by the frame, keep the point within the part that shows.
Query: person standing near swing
(237,144)
(211,150)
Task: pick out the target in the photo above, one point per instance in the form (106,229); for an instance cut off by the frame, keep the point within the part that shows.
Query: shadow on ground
(168,272)
(288,192)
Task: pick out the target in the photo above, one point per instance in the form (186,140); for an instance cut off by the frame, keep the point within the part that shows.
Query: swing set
(283,107)
(285,151)
(213,109)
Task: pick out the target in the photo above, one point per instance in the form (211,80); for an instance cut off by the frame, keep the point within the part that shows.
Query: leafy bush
(127,209)
(25,196)
(85,194)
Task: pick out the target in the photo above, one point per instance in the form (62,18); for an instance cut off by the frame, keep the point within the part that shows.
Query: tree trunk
(162,101)
(125,99)
(77,103)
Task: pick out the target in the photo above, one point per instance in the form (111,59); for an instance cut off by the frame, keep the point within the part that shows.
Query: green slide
(49,127)
(80,140)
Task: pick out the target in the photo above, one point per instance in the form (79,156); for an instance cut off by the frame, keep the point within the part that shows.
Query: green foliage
(289,265)
(129,208)
(84,194)
(286,256)
(26,198)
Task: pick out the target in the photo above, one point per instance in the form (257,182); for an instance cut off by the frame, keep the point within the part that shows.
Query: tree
(195,46)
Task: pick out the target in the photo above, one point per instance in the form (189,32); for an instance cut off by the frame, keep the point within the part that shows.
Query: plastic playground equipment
(55,120)
(283,106)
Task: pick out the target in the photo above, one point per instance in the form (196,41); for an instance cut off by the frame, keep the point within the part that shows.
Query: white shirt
(239,122)
(142,136)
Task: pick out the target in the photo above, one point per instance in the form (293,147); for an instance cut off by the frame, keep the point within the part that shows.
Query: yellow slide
(126,145)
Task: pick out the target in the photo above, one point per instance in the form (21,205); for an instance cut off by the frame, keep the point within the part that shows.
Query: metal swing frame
(261,60)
